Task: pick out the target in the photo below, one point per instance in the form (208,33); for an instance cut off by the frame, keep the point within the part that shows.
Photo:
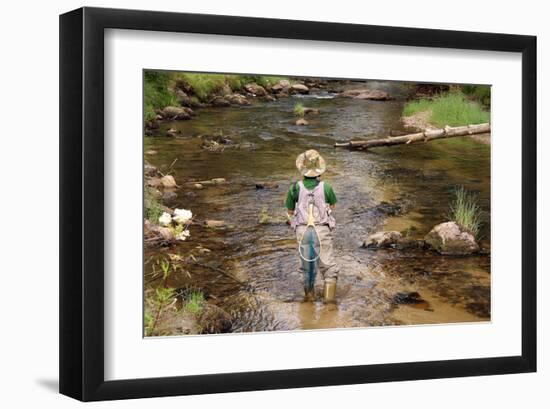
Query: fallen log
(425,136)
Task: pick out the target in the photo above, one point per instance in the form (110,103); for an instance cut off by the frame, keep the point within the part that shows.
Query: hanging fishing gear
(309,248)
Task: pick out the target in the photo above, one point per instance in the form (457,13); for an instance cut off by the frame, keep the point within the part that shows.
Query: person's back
(320,195)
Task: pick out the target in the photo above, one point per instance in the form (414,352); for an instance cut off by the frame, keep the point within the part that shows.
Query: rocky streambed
(242,257)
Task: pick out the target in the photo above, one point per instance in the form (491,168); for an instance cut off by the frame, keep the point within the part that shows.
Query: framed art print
(257,204)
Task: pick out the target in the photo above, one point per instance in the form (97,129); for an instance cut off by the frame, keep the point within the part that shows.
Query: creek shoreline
(232,298)
(254,93)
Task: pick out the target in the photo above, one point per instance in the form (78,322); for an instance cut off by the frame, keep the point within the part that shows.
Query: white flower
(183,235)
(182,215)
(165,219)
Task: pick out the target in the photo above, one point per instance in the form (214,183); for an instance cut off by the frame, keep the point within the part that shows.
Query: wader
(324,225)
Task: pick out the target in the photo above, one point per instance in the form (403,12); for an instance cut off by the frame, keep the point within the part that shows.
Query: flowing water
(404,188)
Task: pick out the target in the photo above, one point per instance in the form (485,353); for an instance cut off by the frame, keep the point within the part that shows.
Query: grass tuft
(194,302)
(299,110)
(466,212)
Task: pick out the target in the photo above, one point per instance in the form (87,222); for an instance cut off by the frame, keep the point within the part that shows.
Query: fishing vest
(321,210)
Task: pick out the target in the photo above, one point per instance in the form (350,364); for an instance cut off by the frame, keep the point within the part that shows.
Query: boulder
(169,195)
(168,181)
(218,181)
(302,122)
(365,94)
(172,132)
(152,124)
(266,185)
(375,95)
(255,89)
(408,243)
(275,89)
(213,320)
(176,113)
(166,233)
(449,239)
(284,83)
(215,224)
(219,102)
(299,88)
(149,170)
(183,99)
(157,194)
(154,182)
(382,239)
(311,111)
(238,99)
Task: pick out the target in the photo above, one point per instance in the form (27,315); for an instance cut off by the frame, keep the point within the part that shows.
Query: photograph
(282,203)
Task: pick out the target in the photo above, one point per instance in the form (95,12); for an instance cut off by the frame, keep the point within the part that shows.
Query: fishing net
(310,251)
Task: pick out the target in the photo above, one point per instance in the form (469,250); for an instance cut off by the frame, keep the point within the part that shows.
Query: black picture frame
(82,200)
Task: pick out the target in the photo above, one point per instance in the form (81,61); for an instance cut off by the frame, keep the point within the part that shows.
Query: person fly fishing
(309,204)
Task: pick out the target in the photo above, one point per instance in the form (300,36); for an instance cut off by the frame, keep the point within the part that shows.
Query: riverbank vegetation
(453,108)
(168,309)
(466,212)
(151,206)
(160,88)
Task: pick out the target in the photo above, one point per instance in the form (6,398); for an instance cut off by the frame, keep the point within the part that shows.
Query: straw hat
(310,163)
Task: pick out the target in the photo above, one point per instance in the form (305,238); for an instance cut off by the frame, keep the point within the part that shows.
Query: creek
(404,188)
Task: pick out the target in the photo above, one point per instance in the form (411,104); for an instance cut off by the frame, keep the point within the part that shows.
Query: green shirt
(309,183)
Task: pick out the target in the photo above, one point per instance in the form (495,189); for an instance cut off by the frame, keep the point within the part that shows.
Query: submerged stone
(382,239)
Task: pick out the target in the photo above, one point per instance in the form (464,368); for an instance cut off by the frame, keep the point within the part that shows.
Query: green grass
(266,81)
(299,109)
(466,212)
(203,85)
(453,109)
(153,209)
(156,93)
(159,87)
(194,301)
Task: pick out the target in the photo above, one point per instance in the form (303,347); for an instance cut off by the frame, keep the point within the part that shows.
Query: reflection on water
(417,180)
